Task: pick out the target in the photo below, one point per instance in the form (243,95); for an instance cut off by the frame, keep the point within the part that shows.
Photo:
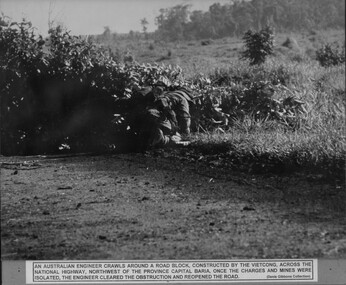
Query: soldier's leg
(185,124)
(158,138)
(183,112)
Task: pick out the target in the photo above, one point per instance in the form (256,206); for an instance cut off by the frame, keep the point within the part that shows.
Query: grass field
(320,141)
(194,57)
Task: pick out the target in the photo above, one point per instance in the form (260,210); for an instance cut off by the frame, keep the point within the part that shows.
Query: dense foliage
(238,16)
(329,55)
(223,107)
(61,92)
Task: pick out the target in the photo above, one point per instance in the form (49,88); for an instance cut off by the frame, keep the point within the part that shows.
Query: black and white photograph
(147,130)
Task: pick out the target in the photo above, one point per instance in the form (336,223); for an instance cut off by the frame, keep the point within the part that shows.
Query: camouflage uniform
(175,106)
(156,116)
(155,130)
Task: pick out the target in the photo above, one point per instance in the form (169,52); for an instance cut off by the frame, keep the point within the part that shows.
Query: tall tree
(172,22)
(144,24)
(236,17)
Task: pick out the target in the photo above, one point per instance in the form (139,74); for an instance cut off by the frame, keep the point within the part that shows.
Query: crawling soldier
(174,104)
(153,120)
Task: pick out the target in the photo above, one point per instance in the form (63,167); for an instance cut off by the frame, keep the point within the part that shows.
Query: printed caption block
(83,272)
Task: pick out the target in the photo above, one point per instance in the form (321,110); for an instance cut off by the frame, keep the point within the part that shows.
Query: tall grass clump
(271,135)
(331,54)
(277,71)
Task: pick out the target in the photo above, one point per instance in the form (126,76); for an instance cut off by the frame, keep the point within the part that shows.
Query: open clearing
(159,205)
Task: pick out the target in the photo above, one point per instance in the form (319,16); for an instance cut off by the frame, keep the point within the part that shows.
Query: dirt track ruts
(145,206)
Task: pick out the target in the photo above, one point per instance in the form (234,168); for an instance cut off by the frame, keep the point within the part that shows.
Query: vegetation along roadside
(282,112)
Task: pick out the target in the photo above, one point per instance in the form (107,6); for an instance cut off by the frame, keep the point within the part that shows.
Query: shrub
(21,59)
(63,91)
(206,42)
(330,54)
(258,45)
(151,46)
(291,43)
(220,106)
(128,57)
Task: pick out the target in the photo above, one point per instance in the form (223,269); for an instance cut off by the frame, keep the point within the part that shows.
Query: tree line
(238,16)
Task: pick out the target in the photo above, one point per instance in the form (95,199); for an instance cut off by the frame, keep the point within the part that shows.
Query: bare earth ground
(160,206)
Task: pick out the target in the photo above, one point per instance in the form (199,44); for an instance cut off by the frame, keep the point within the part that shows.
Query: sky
(88,17)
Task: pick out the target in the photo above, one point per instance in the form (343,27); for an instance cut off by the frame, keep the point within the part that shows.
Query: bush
(206,42)
(21,59)
(219,107)
(63,91)
(258,45)
(330,54)
(151,46)
(291,43)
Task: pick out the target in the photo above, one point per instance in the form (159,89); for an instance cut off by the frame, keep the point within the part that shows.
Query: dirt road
(156,206)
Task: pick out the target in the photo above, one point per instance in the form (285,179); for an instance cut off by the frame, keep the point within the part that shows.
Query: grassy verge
(318,146)
(279,152)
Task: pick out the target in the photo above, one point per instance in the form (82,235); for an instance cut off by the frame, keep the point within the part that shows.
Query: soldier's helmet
(144,94)
(158,90)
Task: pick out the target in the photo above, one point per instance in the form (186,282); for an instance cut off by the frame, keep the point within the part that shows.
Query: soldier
(174,104)
(153,126)
(154,129)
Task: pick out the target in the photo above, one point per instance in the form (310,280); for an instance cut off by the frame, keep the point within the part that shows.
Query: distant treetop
(235,18)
